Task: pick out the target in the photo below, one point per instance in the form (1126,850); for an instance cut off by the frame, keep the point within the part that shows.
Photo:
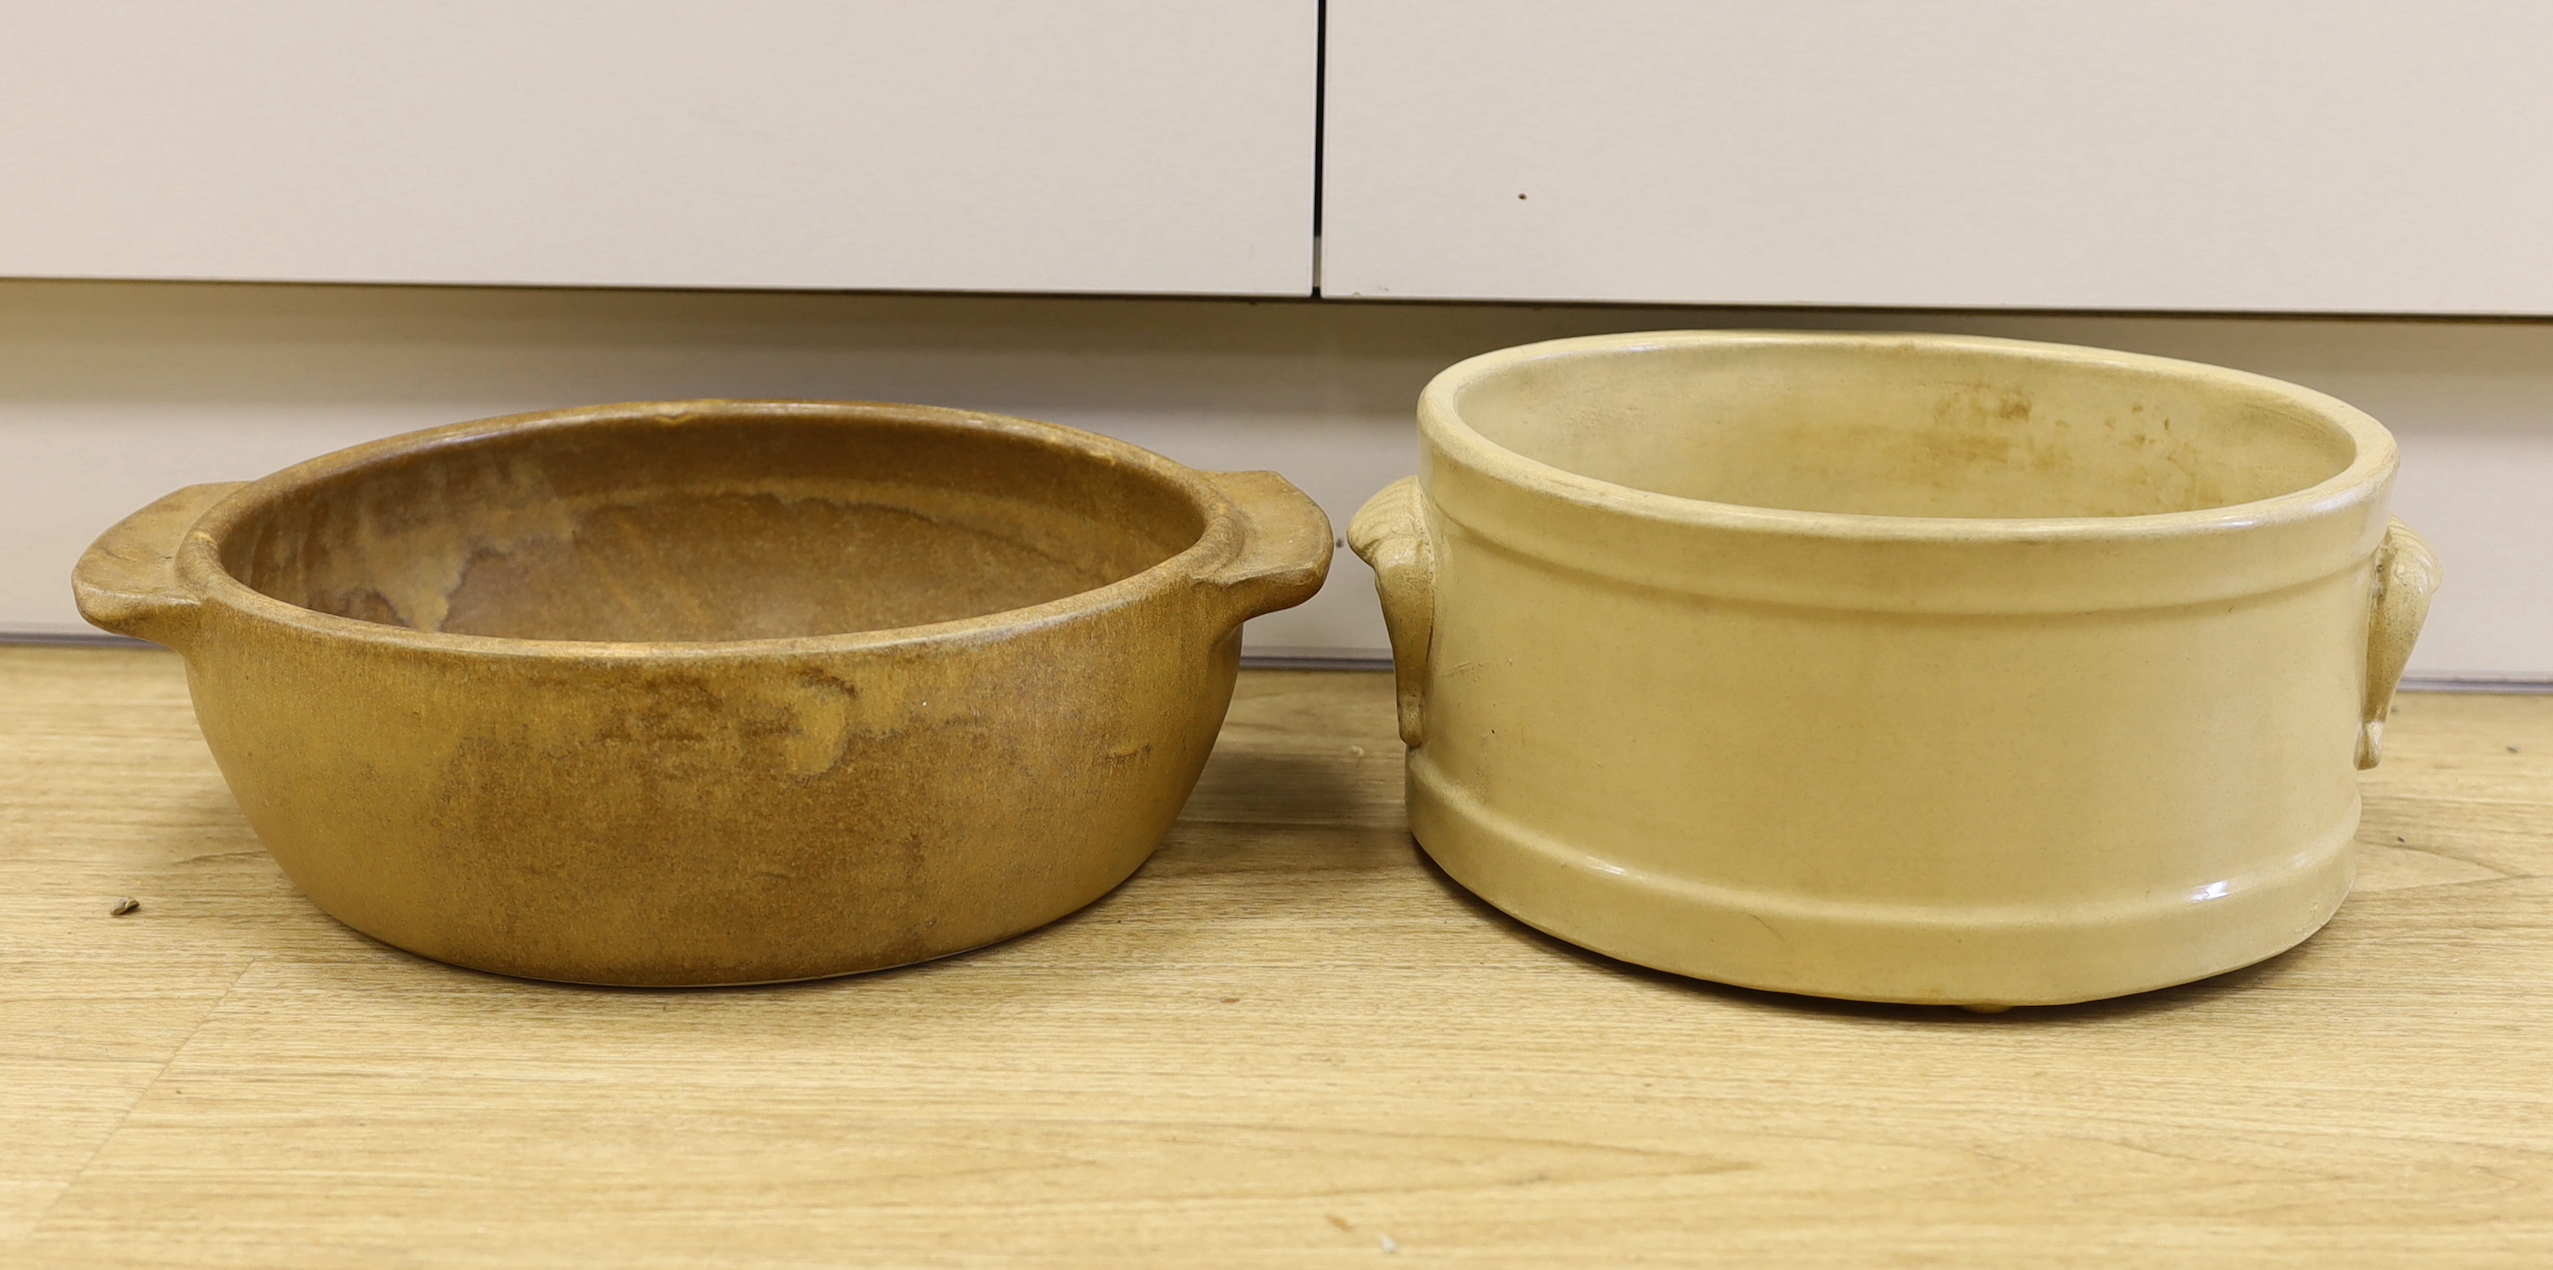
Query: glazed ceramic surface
(711,692)
(1903,668)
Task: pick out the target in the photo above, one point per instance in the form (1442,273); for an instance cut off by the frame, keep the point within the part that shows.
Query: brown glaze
(711,692)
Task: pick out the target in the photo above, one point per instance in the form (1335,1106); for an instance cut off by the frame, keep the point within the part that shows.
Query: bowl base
(1982,957)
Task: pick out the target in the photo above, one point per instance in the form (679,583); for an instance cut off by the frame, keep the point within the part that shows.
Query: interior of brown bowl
(1898,428)
(714,528)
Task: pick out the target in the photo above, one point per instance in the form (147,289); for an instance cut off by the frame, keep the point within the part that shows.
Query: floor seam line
(36,1229)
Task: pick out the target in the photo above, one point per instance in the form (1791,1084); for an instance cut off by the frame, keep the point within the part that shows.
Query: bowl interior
(1897,428)
(711,528)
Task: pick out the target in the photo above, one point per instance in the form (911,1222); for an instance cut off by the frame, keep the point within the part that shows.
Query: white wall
(114,393)
(980,145)
(2356,156)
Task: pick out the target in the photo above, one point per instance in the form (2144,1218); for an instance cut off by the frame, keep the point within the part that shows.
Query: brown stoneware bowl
(711,692)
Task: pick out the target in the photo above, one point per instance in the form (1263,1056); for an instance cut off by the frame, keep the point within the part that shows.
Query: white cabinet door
(998,145)
(2331,155)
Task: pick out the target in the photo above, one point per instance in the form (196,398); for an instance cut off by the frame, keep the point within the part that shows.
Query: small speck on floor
(126,905)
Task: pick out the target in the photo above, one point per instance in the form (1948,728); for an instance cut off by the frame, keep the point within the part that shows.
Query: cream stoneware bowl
(1894,667)
(711,692)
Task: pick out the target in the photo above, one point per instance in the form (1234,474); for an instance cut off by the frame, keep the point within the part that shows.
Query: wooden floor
(1287,1041)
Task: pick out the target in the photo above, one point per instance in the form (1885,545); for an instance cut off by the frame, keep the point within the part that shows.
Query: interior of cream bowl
(721,521)
(1905,426)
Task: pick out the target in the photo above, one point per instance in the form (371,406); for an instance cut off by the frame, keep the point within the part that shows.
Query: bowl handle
(127,581)
(2406,576)
(1390,533)
(1285,544)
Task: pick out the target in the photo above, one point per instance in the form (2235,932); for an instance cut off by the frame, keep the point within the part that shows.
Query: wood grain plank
(1287,1041)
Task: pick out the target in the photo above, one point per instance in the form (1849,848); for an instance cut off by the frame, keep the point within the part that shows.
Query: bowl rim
(200,568)
(1442,426)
